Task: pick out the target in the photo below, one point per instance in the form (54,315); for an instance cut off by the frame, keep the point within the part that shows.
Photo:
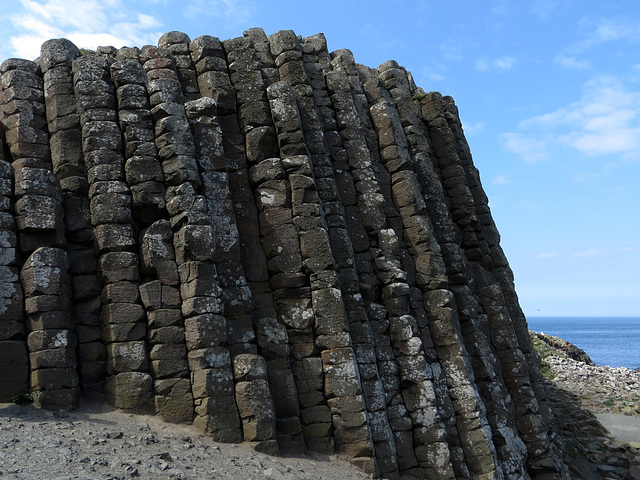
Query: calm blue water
(612,341)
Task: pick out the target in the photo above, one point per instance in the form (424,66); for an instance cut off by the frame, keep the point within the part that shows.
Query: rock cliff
(268,240)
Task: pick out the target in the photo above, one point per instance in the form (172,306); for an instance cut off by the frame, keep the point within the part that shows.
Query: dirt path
(623,428)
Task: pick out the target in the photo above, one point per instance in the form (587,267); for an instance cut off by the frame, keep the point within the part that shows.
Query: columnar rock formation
(268,240)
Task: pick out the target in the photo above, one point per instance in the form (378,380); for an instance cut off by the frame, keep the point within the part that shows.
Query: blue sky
(548,91)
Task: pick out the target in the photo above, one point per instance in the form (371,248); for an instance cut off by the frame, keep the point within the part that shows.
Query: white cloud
(609,30)
(235,11)
(586,177)
(543,8)
(434,73)
(472,128)
(547,254)
(452,49)
(565,60)
(528,205)
(530,148)
(87,23)
(586,253)
(501,180)
(604,30)
(605,121)
(483,64)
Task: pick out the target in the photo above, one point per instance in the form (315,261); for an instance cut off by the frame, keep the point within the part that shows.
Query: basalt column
(267,240)
(14,361)
(123,329)
(63,121)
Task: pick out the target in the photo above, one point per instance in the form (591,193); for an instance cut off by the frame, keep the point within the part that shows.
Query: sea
(609,341)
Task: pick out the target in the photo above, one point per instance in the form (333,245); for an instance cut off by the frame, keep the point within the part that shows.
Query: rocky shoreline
(96,442)
(577,391)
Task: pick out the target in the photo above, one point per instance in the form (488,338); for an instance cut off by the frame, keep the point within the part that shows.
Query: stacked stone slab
(63,121)
(209,361)
(364,216)
(270,241)
(14,360)
(319,220)
(512,350)
(39,212)
(248,299)
(429,271)
(142,168)
(51,341)
(44,274)
(123,329)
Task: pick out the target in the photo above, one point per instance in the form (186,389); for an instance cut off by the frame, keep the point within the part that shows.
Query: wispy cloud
(547,254)
(598,32)
(565,60)
(605,121)
(452,49)
(590,252)
(436,72)
(501,180)
(473,128)
(543,8)
(530,148)
(87,23)
(499,64)
(235,11)
(586,177)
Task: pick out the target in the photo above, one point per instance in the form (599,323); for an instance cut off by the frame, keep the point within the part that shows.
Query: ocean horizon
(609,341)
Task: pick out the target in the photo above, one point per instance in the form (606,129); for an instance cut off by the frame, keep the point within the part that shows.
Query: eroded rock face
(268,240)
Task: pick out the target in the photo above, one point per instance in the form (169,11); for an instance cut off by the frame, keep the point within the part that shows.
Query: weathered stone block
(118,266)
(194,243)
(120,292)
(173,400)
(169,360)
(207,358)
(204,331)
(127,357)
(218,417)
(329,311)
(54,378)
(164,317)
(256,410)
(171,334)
(48,339)
(115,313)
(130,391)
(47,303)
(123,332)
(14,368)
(53,358)
(57,399)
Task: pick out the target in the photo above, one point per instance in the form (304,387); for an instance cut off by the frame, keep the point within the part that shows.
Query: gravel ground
(101,444)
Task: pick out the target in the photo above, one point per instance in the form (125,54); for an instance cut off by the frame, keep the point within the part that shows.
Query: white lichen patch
(61,339)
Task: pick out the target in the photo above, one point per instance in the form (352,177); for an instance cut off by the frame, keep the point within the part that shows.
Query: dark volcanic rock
(269,241)
(569,349)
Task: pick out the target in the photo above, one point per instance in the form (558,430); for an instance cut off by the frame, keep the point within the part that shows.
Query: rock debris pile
(270,241)
(600,389)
